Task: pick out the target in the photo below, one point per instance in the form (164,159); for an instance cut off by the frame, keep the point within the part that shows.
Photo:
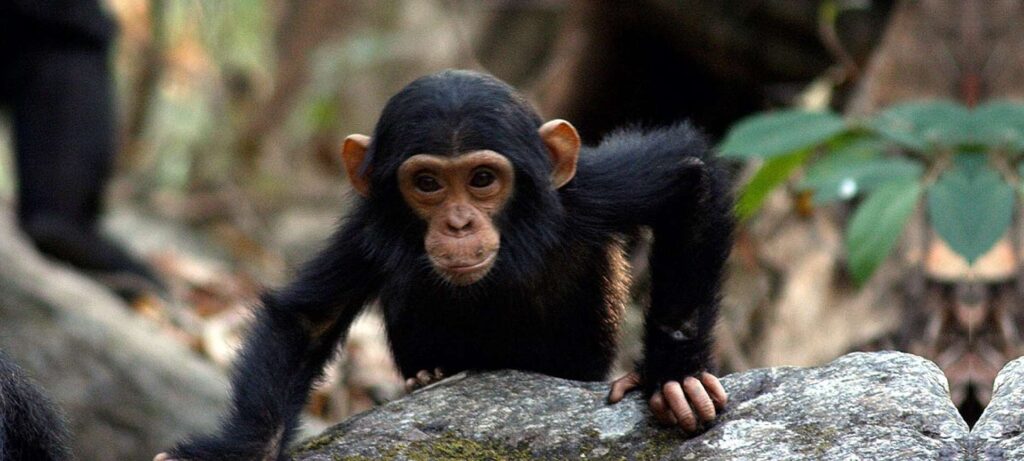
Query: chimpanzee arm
(665,179)
(296,331)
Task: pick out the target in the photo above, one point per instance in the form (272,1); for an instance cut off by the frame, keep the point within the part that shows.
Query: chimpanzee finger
(411,385)
(676,400)
(423,377)
(715,389)
(662,413)
(438,374)
(699,399)
(163,457)
(621,386)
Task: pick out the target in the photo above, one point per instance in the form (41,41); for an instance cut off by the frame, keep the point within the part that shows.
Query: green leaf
(877,225)
(775,171)
(842,156)
(970,207)
(834,164)
(778,133)
(922,124)
(1000,124)
(858,178)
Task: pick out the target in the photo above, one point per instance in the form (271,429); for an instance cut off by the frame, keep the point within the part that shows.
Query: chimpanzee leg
(64,134)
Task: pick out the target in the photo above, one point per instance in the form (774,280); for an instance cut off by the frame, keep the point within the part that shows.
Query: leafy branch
(964,165)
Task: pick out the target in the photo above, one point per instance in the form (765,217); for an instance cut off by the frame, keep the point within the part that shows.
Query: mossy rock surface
(879,406)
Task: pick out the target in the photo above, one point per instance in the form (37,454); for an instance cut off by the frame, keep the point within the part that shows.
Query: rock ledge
(879,406)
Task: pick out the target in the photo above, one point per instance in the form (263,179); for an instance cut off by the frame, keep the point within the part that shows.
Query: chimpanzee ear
(563,143)
(353,152)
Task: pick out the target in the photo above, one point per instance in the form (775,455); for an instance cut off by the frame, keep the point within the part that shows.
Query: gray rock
(876,406)
(999,433)
(129,389)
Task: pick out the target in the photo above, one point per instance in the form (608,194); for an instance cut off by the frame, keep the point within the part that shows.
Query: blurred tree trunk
(302,27)
(144,85)
(659,61)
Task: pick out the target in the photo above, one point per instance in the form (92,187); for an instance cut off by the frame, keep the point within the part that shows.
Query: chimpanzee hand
(686,404)
(424,378)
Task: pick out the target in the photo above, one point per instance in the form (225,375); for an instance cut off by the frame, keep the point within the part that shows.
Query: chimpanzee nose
(459,221)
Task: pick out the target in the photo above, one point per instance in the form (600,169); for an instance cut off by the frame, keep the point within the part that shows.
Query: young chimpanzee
(493,240)
(31,427)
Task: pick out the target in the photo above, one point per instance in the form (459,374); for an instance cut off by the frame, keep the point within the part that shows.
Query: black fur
(31,426)
(56,87)
(551,302)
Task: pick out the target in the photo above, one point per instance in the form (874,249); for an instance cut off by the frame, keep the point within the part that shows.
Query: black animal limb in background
(57,89)
(31,426)
(493,240)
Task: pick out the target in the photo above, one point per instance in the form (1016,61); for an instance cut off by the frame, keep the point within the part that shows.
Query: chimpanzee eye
(426,183)
(482,178)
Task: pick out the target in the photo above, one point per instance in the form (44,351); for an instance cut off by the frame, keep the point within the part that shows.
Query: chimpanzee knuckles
(423,378)
(687,403)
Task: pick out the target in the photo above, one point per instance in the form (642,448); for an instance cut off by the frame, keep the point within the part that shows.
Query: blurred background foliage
(967,159)
(232,111)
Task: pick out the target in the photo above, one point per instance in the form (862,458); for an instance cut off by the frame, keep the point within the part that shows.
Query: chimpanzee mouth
(469,268)
(465,274)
